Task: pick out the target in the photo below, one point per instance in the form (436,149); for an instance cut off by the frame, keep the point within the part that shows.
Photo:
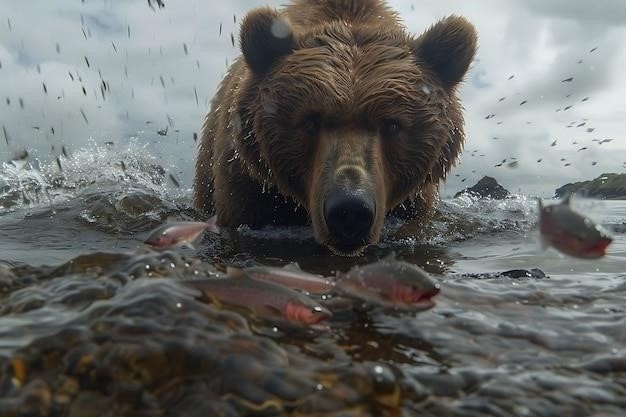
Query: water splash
(42,182)
(464,218)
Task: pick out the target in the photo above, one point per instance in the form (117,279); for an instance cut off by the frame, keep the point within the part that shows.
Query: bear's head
(352,120)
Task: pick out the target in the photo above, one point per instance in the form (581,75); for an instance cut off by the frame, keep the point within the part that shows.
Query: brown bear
(334,114)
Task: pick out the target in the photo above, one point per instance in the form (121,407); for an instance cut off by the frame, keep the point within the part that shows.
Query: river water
(90,320)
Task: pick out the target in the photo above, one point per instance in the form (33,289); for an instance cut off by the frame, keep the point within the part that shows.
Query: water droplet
(280,29)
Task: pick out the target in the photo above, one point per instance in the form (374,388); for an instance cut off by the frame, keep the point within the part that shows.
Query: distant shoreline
(608,186)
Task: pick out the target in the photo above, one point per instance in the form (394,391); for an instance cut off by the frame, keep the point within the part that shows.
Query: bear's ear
(448,48)
(265,37)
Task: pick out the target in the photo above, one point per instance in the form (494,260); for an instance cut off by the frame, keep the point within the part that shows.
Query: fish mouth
(423,303)
(598,249)
(407,297)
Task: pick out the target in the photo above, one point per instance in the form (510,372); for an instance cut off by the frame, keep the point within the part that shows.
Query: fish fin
(293,266)
(212,224)
(188,245)
(235,272)
(204,295)
(214,300)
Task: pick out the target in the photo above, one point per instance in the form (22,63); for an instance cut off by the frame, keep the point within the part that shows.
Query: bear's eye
(390,128)
(311,124)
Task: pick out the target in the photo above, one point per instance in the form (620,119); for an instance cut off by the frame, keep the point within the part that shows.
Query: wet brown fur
(350,65)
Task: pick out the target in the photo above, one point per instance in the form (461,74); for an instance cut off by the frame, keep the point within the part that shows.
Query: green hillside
(606,186)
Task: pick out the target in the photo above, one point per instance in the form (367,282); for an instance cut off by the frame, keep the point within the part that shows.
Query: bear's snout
(349,215)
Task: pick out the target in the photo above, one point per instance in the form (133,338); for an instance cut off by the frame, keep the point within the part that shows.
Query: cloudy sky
(161,67)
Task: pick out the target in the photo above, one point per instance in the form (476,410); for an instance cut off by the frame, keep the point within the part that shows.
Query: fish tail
(337,281)
(212,224)
(293,266)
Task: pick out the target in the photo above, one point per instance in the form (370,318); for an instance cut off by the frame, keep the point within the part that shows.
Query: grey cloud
(599,13)
(539,42)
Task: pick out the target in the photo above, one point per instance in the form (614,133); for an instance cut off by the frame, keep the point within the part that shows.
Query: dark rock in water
(606,187)
(534,273)
(487,187)
(524,273)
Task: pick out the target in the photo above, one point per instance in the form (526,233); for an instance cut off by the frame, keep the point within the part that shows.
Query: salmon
(290,276)
(570,232)
(180,233)
(264,299)
(390,283)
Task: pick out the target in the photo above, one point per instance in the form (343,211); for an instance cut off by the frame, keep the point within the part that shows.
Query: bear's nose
(349,215)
